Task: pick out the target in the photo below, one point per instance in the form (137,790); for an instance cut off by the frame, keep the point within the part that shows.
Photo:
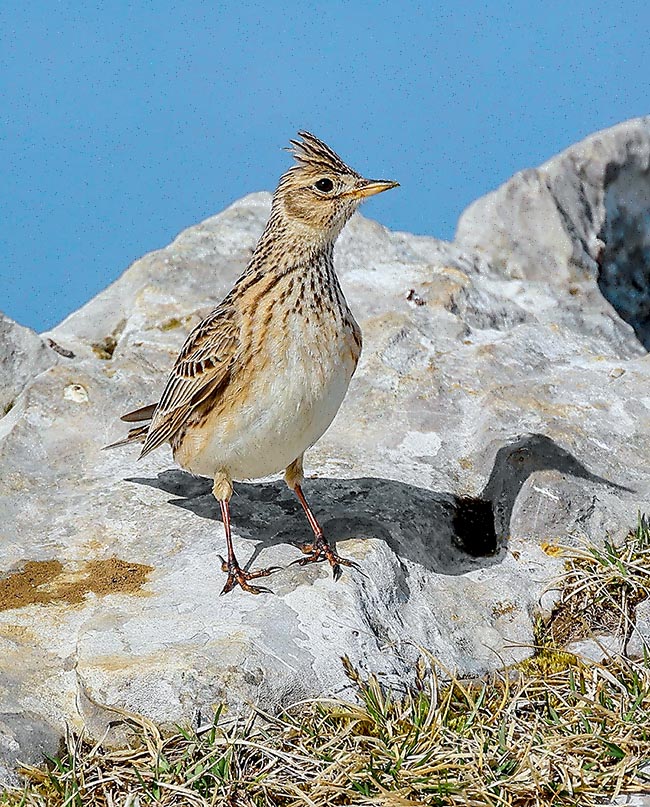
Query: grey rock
(25,738)
(633,800)
(638,645)
(598,648)
(23,355)
(584,215)
(496,408)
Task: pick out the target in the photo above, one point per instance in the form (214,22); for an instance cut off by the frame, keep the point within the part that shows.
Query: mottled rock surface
(23,355)
(501,405)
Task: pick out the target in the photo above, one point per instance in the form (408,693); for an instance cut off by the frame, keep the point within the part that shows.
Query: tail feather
(138,434)
(135,435)
(144,413)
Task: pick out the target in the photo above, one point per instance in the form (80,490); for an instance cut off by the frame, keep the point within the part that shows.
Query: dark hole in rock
(624,262)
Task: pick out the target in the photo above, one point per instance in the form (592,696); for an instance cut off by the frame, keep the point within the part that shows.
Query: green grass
(554,730)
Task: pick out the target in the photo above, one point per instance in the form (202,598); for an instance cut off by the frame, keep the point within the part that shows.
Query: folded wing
(204,365)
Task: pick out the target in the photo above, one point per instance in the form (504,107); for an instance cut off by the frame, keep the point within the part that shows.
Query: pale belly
(285,409)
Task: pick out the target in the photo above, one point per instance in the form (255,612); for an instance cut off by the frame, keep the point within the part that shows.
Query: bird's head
(320,192)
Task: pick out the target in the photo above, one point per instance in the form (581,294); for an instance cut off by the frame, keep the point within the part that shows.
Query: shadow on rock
(513,464)
(445,533)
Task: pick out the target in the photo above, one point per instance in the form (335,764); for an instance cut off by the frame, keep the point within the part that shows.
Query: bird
(261,378)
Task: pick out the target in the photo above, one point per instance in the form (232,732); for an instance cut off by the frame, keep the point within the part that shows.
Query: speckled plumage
(260,379)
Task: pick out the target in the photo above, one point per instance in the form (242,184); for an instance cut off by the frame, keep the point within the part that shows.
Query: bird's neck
(286,245)
(300,269)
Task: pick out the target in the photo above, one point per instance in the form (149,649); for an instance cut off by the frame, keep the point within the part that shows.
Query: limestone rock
(638,645)
(581,216)
(23,355)
(498,409)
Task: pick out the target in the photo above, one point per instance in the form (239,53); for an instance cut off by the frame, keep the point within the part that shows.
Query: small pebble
(76,393)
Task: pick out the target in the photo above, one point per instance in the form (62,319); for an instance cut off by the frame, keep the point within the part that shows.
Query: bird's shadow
(445,533)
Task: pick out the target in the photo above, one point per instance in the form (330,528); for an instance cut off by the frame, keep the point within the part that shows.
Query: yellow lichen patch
(17,633)
(511,398)
(503,608)
(552,550)
(171,324)
(113,576)
(41,582)
(25,587)
(104,350)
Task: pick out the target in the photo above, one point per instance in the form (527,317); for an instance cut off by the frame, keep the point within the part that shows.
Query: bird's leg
(222,490)
(319,549)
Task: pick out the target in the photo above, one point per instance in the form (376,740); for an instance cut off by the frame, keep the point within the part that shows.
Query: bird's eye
(324,185)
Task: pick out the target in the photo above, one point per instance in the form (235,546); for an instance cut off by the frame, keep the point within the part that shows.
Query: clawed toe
(316,557)
(238,577)
(336,561)
(233,581)
(318,553)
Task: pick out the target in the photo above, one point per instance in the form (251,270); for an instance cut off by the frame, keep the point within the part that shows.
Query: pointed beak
(369,187)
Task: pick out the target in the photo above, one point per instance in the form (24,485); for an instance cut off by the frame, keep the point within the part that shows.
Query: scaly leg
(319,549)
(222,490)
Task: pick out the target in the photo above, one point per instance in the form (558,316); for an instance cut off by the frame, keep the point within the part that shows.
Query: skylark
(261,378)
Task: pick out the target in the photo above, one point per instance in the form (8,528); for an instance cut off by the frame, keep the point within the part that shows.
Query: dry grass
(602,586)
(555,730)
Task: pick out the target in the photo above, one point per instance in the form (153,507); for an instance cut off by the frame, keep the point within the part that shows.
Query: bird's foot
(238,577)
(320,550)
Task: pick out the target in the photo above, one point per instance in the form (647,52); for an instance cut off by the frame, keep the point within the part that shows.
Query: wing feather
(205,362)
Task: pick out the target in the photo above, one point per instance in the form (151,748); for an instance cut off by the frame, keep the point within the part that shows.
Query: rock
(638,645)
(23,355)
(488,420)
(598,648)
(581,216)
(633,800)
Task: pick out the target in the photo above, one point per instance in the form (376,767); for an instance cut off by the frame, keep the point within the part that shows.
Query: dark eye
(324,185)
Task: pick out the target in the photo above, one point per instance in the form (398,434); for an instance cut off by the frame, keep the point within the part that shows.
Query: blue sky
(123,123)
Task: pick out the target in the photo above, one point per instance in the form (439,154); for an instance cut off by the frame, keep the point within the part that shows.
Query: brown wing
(204,364)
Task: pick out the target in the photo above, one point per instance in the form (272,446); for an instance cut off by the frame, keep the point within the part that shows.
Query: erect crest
(311,151)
